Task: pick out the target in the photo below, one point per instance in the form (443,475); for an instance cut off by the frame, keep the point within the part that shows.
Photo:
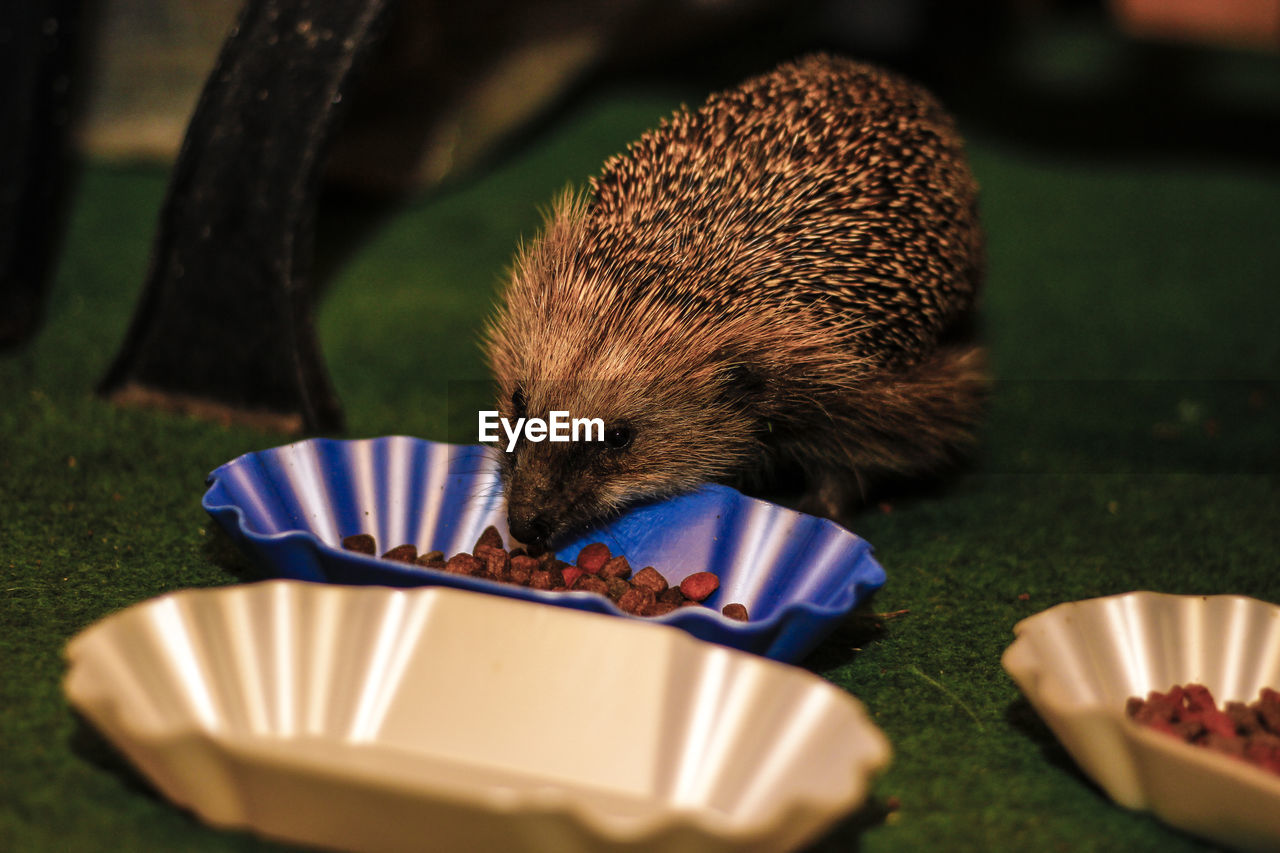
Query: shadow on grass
(847,834)
(223,553)
(859,629)
(88,745)
(91,747)
(1023,718)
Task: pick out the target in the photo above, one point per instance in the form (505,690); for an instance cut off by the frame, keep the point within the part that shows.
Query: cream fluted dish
(1078,663)
(369,718)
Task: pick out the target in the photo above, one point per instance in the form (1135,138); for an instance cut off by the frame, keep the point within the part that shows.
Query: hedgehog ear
(740,382)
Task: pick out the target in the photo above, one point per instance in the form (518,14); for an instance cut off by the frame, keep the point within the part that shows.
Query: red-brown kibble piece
(592,557)
(659,608)
(699,585)
(617,587)
(1263,753)
(521,568)
(591,583)
(490,537)
(1230,744)
(540,579)
(1218,723)
(402,554)
(616,567)
(636,600)
(649,578)
(1268,708)
(496,563)
(463,564)
(735,611)
(570,575)
(1196,697)
(361,543)
(556,570)
(431,560)
(672,595)
(1244,718)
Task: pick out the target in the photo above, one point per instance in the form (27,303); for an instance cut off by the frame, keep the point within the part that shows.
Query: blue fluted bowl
(289,508)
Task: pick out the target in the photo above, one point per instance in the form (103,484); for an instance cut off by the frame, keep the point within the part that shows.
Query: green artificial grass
(1131,445)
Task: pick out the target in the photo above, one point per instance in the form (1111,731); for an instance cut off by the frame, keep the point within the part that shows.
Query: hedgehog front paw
(832,494)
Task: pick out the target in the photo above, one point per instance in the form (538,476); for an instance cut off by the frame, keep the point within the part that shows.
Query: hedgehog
(785,276)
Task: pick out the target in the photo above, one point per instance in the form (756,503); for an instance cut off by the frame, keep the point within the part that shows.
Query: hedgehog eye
(519,403)
(617,437)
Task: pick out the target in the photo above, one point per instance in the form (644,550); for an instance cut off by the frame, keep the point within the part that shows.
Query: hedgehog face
(651,438)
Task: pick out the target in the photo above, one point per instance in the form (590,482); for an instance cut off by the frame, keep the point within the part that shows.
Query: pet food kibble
(402,554)
(699,585)
(660,608)
(649,578)
(1268,708)
(1244,718)
(616,567)
(735,611)
(672,595)
(646,593)
(1264,752)
(361,543)
(593,556)
(521,567)
(490,537)
(1230,744)
(525,562)
(496,563)
(592,583)
(463,564)
(617,587)
(1248,732)
(636,600)
(1196,697)
(556,571)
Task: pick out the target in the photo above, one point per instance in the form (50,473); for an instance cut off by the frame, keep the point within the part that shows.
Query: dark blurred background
(455,86)
(454,82)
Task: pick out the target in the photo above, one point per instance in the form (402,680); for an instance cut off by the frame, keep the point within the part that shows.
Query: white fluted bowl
(1079,662)
(368,718)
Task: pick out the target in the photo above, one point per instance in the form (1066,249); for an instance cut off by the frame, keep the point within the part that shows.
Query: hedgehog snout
(530,527)
(531,514)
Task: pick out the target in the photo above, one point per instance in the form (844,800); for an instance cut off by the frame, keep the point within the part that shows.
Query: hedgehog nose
(532,530)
